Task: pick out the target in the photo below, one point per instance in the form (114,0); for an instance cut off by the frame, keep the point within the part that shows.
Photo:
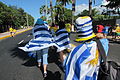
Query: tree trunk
(90,7)
(51,11)
(73,10)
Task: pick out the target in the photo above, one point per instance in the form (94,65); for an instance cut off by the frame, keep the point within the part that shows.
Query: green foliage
(86,12)
(114,4)
(68,15)
(61,13)
(43,18)
(43,11)
(13,16)
(64,2)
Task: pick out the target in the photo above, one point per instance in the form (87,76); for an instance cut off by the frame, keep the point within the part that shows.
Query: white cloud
(99,8)
(104,2)
(82,7)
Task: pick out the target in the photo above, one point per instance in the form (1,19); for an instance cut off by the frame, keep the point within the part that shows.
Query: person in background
(110,30)
(117,31)
(68,28)
(103,39)
(11,31)
(41,32)
(62,40)
(100,28)
(106,28)
(53,29)
(42,40)
(83,61)
(72,28)
(114,33)
(14,32)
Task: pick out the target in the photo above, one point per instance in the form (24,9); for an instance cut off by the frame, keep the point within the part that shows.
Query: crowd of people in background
(81,62)
(111,31)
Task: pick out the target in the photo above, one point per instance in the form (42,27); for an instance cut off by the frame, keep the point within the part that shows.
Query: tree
(67,15)
(113,4)
(43,10)
(51,11)
(11,16)
(59,12)
(63,3)
(86,12)
(73,10)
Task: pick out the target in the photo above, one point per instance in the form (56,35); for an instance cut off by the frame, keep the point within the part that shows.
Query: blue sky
(32,6)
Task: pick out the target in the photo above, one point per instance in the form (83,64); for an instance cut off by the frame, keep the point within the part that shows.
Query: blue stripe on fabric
(94,77)
(43,35)
(64,44)
(40,29)
(84,23)
(61,32)
(81,58)
(72,54)
(62,38)
(84,31)
(88,78)
(41,42)
(85,35)
(31,46)
(85,27)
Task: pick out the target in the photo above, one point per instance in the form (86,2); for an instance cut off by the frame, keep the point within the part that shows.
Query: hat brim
(87,38)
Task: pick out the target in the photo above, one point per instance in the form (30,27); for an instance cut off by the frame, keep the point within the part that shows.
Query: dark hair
(61,24)
(53,25)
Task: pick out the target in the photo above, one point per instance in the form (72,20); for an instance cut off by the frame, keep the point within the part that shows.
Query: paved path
(7,34)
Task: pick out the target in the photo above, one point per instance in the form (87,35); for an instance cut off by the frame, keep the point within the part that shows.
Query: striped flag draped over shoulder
(41,39)
(82,63)
(62,39)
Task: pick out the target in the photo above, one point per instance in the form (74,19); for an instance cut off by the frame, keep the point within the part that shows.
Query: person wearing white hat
(82,62)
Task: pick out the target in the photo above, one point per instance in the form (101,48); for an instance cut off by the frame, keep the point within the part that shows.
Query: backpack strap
(101,51)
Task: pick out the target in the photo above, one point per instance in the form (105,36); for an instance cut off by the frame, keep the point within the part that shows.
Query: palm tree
(58,12)
(90,7)
(63,2)
(43,11)
(51,11)
(73,10)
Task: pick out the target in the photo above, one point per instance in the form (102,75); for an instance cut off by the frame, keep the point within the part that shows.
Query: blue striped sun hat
(84,28)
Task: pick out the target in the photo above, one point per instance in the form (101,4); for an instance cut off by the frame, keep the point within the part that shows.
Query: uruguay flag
(41,39)
(82,63)
(62,39)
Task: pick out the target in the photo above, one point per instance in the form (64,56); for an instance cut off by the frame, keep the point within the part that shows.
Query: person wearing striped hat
(82,62)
